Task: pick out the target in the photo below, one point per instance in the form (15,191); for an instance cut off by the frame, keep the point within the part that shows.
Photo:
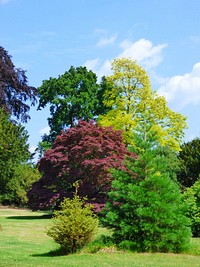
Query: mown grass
(23,242)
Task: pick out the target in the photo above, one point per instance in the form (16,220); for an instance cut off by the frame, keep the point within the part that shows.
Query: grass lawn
(23,242)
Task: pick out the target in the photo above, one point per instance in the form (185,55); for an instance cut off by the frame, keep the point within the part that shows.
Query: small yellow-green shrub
(74,225)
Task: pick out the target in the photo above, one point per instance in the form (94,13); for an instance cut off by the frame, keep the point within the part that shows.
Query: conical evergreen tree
(145,208)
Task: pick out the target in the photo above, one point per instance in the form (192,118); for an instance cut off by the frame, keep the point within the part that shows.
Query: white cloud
(105,69)
(107,41)
(101,70)
(92,64)
(45,130)
(183,90)
(143,51)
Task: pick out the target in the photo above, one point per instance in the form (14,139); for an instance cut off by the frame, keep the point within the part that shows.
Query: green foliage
(17,187)
(43,146)
(192,198)
(189,158)
(103,242)
(145,208)
(129,96)
(74,225)
(13,152)
(73,96)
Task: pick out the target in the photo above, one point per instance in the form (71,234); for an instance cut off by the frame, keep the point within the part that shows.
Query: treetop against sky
(47,37)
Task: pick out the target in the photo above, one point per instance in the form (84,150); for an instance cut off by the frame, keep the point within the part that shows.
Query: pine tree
(74,225)
(145,208)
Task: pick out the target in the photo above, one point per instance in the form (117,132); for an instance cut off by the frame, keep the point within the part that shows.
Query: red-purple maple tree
(85,153)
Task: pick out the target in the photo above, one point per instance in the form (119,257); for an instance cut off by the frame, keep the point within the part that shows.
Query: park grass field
(24,243)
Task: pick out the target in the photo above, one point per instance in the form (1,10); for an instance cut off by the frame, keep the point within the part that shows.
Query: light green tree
(129,96)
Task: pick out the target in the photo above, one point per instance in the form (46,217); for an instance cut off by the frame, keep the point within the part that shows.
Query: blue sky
(46,37)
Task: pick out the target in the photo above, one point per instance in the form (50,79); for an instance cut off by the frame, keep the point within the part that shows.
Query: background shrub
(192,197)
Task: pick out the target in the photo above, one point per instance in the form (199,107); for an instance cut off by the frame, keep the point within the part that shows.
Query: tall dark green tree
(189,157)
(14,88)
(73,96)
(13,152)
(145,209)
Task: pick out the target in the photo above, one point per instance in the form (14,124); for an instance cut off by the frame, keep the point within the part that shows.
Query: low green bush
(99,243)
(74,225)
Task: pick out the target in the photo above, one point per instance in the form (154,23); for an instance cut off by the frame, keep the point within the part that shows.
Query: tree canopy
(85,153)
(189,158)
(13,152)
(14,88)
(192,197)
(129,96)
(73,96)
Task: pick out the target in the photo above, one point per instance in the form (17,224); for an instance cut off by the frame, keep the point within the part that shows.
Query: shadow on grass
(31,217)
(54,253)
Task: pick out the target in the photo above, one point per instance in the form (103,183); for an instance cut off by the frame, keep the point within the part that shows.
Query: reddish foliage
(85,153)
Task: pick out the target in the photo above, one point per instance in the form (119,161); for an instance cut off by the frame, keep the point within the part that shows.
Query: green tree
(189,158)
(74,225)
(145,208)
(192,198)
(23,177)
(14,89)
(73,96)
(129,96)
(13,152)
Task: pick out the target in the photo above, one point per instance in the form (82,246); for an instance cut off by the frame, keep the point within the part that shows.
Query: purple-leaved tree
(85,153)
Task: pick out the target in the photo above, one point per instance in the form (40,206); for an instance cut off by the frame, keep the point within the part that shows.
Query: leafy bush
(74,225)
(100,243)
(192,197)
